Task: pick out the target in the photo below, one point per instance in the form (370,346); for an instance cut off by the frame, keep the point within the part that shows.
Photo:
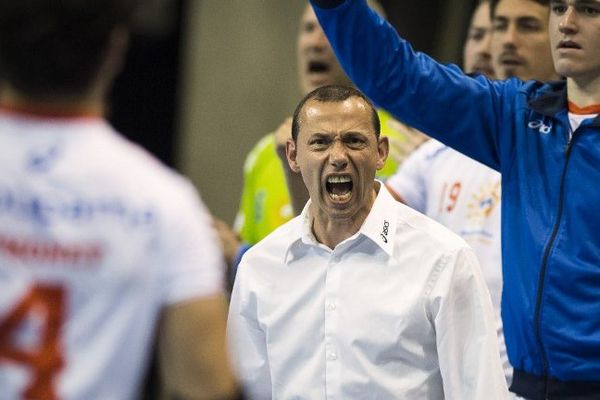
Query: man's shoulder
(419,228)
(431,150)
(125,169)
(276,243)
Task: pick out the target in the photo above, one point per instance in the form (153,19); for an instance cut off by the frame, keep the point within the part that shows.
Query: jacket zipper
(544,265)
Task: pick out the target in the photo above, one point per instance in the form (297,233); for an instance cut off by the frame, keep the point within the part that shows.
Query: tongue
(340,188)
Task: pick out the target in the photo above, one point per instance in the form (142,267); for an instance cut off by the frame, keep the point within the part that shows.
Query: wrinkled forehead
(351,113)
(353,105)
(520,8)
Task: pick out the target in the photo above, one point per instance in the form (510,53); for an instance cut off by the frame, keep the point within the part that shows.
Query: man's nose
(510,36)
(318,39)
(567,24)
(338,156)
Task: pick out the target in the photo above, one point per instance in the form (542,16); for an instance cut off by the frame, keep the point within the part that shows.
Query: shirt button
(331,306)
(331,356)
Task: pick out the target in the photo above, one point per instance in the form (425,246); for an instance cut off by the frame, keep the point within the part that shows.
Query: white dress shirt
(397,311)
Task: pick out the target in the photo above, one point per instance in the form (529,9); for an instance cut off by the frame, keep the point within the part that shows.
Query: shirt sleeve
(193,265)
(463,317)
(247,340)
(436,99)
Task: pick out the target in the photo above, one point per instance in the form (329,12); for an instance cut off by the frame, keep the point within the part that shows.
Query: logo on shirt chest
(540,126)
(385,230)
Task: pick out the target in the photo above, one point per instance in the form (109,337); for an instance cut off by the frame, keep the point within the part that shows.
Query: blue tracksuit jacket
(550,190)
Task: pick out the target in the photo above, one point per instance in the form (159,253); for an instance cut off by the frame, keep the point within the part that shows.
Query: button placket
(332,287)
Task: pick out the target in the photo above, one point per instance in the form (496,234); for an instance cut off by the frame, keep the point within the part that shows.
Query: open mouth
(317,67)
(339,187)
(510,60)
(568,44)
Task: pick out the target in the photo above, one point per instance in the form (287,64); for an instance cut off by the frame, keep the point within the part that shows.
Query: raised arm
(441,101)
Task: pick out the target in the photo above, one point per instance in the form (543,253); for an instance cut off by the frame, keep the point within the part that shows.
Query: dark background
(144,100)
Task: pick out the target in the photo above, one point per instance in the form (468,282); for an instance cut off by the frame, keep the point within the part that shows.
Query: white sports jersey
(96,237)
(463,195)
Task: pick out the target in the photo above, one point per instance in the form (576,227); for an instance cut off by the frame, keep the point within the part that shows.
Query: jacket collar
(554,100)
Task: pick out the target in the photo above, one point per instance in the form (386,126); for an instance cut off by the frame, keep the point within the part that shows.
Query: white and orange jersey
(95,238)
(460,193)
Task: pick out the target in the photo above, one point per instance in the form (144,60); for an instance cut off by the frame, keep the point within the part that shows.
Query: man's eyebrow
(355,133)
(528,18)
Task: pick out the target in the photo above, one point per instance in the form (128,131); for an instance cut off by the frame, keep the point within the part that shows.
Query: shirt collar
(379,226)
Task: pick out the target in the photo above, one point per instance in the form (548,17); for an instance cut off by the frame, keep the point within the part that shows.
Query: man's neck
(333,231)
(59,106)
(584,93)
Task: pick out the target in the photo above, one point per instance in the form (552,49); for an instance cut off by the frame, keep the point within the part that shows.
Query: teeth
(338,179)
(340,197)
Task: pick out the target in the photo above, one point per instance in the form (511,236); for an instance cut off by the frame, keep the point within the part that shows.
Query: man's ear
(383,148)
(291,153)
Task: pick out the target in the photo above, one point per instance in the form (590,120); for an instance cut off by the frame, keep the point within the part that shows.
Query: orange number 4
(45,361)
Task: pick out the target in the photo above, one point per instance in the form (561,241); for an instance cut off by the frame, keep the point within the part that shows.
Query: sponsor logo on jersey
(50,252)
(43,160)
(51,208)
(484,202)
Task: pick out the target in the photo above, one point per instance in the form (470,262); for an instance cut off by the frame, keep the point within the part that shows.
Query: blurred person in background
(100,245)
(521,40)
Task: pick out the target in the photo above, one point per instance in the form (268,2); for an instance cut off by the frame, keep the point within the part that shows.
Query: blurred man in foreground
(100,245)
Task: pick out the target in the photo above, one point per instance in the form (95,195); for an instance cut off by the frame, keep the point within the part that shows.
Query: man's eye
(355,142)
(591,11)
(530,26)
(559,9)
(476,35)
(499,26)
(309,27)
